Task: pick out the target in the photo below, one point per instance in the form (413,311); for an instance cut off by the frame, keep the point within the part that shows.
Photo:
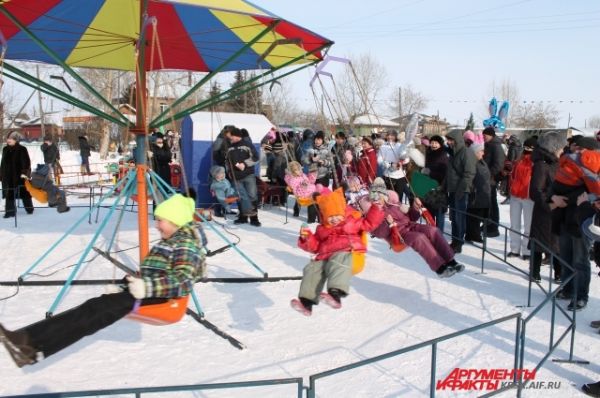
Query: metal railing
(138,392)
(550,295)
(433,364)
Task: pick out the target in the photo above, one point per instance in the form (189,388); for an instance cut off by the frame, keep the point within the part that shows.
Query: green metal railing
(138,392)
(433,344)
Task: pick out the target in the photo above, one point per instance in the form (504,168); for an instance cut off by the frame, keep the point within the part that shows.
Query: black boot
(254,221)
(591,389)
(337,294)
(19,347)
(296,210)
(241,220)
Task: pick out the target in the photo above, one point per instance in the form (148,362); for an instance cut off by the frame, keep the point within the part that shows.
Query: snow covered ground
(395,302)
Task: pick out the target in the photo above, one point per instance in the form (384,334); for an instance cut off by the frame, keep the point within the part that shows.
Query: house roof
(373,120)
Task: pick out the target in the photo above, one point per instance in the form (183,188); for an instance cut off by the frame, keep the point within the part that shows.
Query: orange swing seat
(161,314)
(38,194)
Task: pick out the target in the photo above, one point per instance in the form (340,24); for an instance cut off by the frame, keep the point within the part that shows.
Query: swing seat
(305,202)
(426,214)
(161,314)
(38,194)
(358,259)
(397,244)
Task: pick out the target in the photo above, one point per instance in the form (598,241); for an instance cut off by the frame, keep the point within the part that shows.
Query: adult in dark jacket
(220,145)
(545,162)
(479,198)
(51,155)
(161,159)
(566,189)
(15,163)
(241,159)
(494,157)
(459,180)
(85,152)
(436,166)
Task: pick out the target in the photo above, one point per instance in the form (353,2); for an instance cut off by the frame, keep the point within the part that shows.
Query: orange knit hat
(331,204)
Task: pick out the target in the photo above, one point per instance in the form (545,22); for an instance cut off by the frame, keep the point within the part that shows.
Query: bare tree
(282,108)
(407,101)
(594,122)
(354,94)
(535,115)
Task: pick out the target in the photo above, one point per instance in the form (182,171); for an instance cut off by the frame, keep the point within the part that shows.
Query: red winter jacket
(367,166)
(521,176)
(344,237)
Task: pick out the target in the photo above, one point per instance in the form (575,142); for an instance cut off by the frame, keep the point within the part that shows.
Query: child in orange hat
(337,236)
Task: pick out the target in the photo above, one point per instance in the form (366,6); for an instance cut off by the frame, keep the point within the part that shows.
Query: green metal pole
(37,84)
(60,62)
(221,97)
(214,72)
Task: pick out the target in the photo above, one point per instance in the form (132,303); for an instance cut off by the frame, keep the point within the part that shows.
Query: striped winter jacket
(170,268)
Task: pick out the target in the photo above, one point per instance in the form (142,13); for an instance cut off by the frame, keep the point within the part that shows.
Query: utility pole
(43,130)
(399,102)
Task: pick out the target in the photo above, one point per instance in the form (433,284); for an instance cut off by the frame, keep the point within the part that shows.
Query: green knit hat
(177,209)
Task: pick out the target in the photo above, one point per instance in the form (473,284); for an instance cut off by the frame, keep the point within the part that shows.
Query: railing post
(484,245)
(521,359)
(433,367)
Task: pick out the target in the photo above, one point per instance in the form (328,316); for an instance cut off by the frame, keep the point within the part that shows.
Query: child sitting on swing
(303,187)
(168,271)
(40,179)
(222,189)
(400,225)
(337,236)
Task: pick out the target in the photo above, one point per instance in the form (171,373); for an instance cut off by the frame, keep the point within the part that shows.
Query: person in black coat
(51,156)
(494,158)
(161,159)
(15,164)
(436,165)
(85,152)
(479,197)
(545,162)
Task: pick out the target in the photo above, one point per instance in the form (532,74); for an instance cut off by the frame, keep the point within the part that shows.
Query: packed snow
(394,303)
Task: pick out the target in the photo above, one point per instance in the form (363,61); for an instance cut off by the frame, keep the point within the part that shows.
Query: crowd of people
(356,185)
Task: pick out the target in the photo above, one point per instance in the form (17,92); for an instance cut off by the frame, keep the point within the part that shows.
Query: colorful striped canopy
(195,35)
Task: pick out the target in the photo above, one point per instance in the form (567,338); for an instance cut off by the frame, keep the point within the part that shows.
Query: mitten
(305,231)
(23,176)
(136,287)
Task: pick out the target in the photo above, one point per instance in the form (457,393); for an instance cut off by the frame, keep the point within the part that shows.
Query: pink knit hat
(469,135)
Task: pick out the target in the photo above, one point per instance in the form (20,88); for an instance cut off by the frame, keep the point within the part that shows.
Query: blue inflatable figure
(496,120)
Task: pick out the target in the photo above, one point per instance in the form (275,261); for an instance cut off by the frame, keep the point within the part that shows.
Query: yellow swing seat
(161,314)
(38,194)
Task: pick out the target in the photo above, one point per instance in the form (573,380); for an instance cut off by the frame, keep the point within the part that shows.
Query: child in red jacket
(337,236)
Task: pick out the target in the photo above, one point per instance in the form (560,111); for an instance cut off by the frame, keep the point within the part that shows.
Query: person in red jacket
(521,206)
(337,236)
(367,163)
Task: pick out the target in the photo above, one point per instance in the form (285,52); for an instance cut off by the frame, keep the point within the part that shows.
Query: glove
(23,176)
(112,289)
(150,154)
(136,287)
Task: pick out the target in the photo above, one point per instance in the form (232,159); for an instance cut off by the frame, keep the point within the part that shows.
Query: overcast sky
(454,51)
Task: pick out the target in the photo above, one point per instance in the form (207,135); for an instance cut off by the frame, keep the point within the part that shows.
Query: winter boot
(254,221)
(302,305)
(591,389)
(445,271)
(296,210)
(333,298)
(241,220)
(18,346)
